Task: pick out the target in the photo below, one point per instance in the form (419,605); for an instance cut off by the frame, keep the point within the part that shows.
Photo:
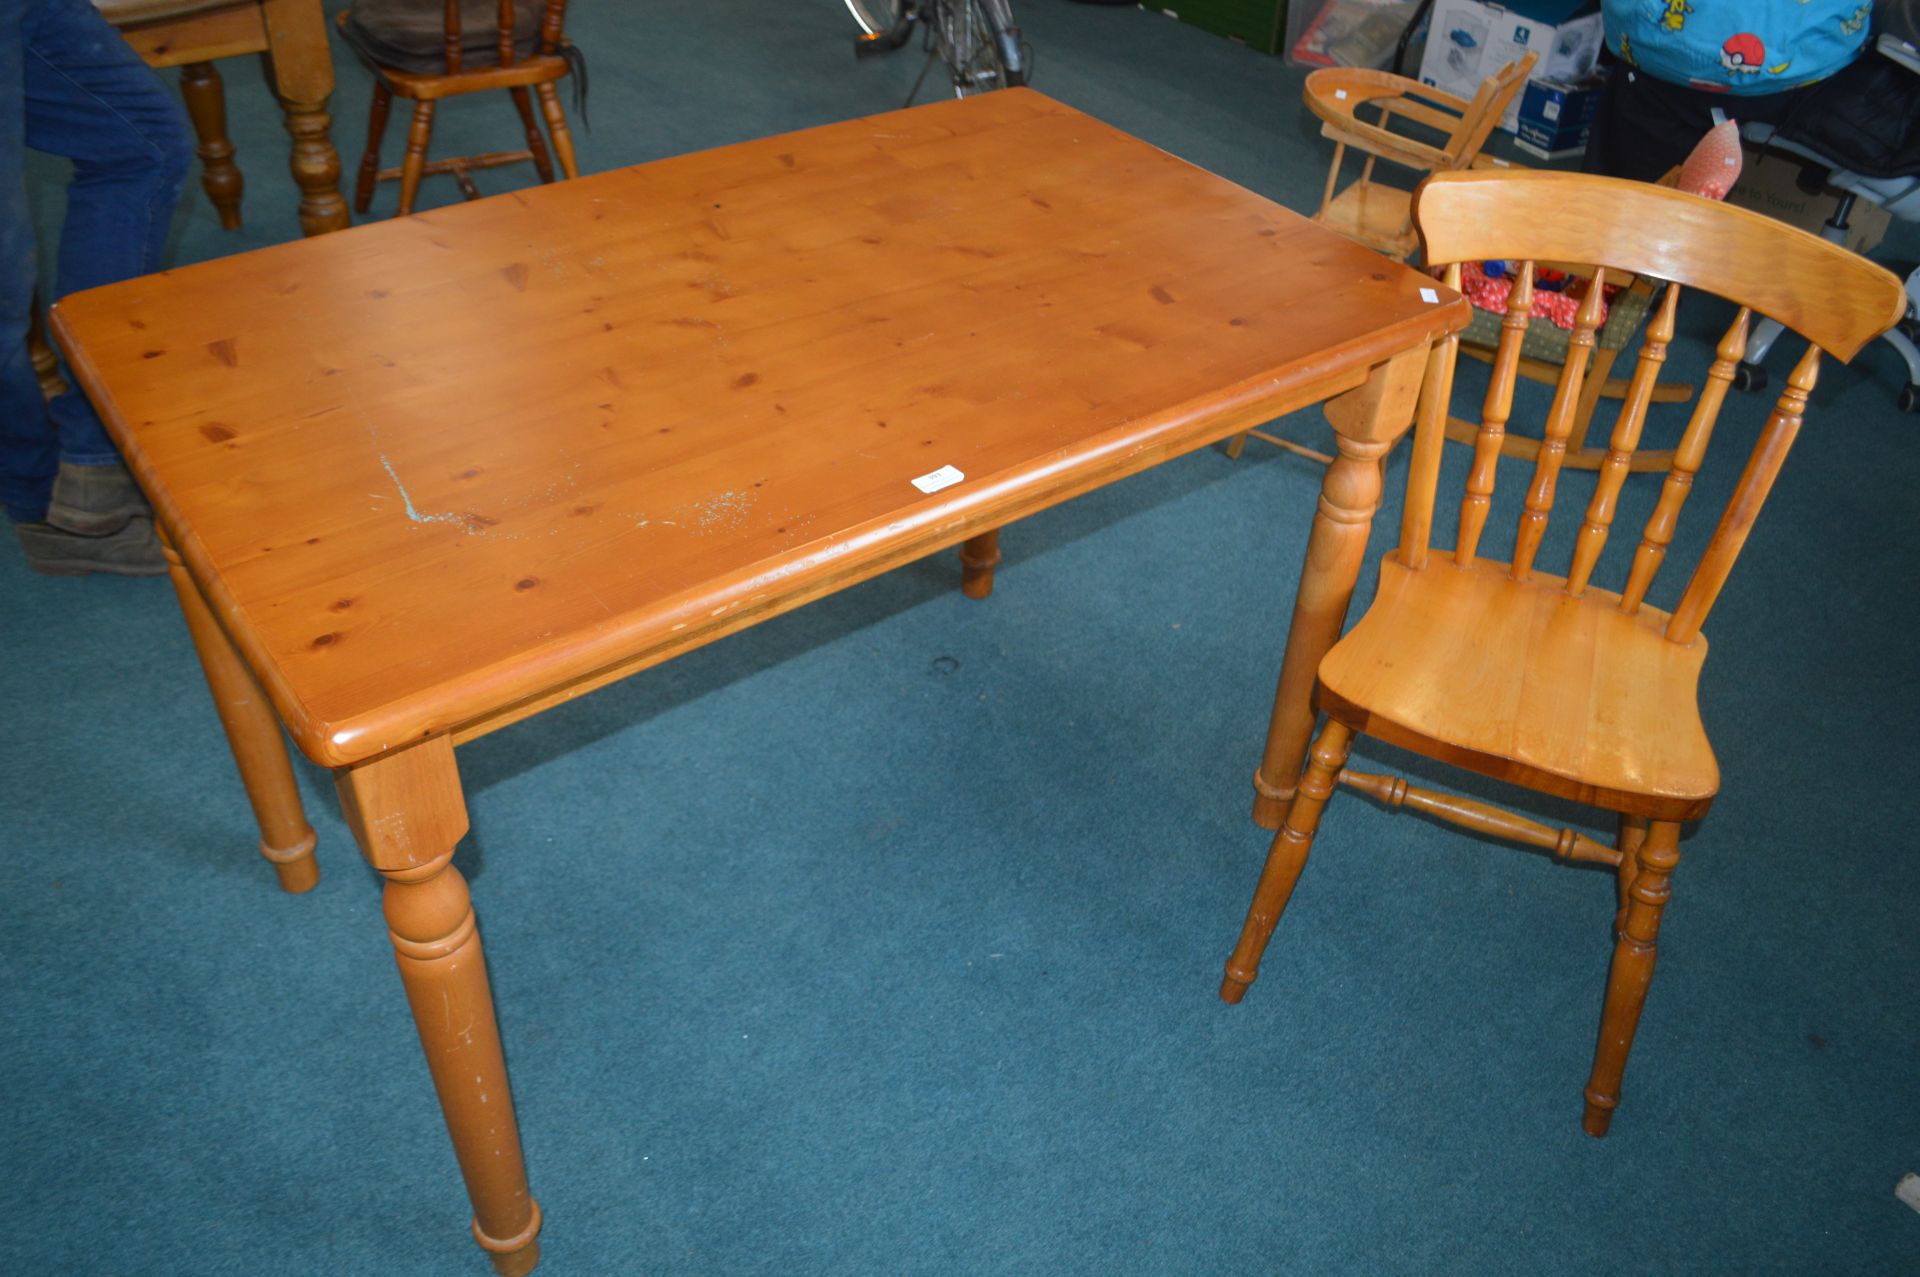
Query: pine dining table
(422,479)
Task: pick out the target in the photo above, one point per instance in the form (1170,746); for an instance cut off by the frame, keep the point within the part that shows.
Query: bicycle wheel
(968,43)
(875,16)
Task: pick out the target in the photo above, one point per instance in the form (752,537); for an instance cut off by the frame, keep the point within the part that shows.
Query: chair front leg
(1287,857)
(1633,957)
(1633,835)
(415,163)
(557,125)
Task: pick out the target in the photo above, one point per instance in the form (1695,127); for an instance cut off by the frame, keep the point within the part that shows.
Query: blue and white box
(1555,117)
(1469,40)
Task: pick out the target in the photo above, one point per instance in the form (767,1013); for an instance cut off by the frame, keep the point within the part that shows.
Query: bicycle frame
(997,13)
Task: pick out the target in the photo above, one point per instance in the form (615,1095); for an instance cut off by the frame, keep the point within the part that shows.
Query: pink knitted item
(1714,166)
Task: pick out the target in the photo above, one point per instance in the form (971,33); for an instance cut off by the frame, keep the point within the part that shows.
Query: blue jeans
(70,86)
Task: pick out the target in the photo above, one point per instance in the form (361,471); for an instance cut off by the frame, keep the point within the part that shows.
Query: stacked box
(1469,40)
(1555,117)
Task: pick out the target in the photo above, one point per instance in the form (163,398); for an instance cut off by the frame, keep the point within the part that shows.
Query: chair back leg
(542,161)
(370,162)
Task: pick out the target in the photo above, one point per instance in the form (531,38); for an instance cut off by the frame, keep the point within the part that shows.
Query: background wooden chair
(1550,682)
(429,50)
(193,35)
(1370,211)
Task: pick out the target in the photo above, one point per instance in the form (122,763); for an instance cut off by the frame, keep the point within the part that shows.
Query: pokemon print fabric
(1738,46)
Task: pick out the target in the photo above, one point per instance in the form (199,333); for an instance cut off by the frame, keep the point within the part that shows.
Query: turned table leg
(253,733)
(1366,422)
(206,100)
(407,812)
(979,556)
(303,80)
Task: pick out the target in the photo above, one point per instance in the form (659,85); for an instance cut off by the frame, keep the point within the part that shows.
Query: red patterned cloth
(1490,294)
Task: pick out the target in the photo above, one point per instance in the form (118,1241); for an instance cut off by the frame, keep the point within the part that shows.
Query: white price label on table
(944,477)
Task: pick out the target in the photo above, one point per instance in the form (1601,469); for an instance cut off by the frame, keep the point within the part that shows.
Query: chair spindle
(1493,419)
(1553,445)
(1756,481)
(505,23)
(550,24)
(1429,440)
(453,37)
(1333,176)
(1658,534)
(1626,437)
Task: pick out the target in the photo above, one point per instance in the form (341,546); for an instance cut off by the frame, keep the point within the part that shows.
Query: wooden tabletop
(437,472)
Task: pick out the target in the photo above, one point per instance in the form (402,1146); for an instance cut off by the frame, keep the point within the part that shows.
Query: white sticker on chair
(1429,296)
(944,477)
(1340,94)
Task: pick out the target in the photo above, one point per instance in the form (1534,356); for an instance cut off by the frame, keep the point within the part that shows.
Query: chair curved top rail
(1738,254)
(1334,93)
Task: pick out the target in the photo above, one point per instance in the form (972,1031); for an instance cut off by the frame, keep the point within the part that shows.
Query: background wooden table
(194,34)
(432,476)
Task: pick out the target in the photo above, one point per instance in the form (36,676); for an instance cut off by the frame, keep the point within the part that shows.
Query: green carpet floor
(883,938)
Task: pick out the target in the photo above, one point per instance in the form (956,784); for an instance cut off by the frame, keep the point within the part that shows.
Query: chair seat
(1378,216)
(410,35)
(126,13)
(1521,682)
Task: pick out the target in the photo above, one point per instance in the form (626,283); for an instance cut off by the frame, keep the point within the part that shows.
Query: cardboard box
(1556,117)
(1770,185)
(1469,40)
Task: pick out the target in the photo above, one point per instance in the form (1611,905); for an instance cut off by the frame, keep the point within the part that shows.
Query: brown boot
(94,501)
(132,551)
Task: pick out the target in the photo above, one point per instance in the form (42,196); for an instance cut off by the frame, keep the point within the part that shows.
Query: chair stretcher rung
(492,159)
(1483,818)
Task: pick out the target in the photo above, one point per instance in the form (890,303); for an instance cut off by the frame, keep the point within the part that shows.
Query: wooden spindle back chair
(478,45)
(1551,682)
